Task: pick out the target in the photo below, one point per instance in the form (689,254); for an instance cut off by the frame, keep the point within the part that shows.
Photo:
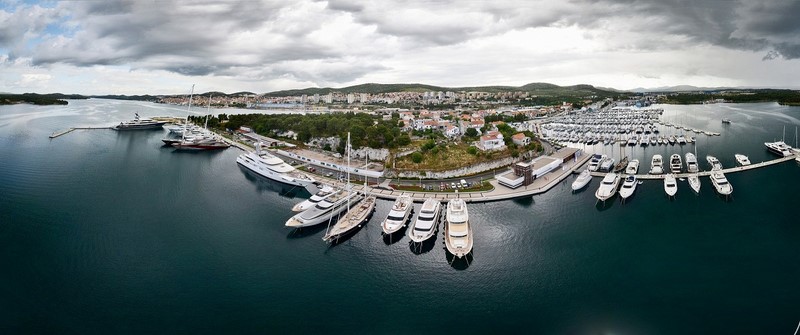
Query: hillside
(539,89)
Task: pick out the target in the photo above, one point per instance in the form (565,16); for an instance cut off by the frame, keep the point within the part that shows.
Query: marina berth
(742,159)
(139,124)
(694,182)
(399,215)
(691,163)
(721,183)
(657,164)
(269,166)
(583,179)
(633,167)
(779,148)
(675,163)
(713,162)
(426,222)
(458,231)
(628,187)
(608,187)
(322,194)
(325,211)
(670,185)
(354,218)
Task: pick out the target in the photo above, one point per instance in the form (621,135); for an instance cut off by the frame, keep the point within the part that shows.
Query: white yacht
(779,148)
(681,139)
(657,164)
(691,163)
(425,225)
(675,164)
(670,185)
(714,162)
(323,193)
(628,186)
(398,215)
(458,230)
(633,167)
(324,211)
(594,162)
(273,168)
(721,183)
(608,187)
(583,179)
(606,165)
(694,182)
(742,159)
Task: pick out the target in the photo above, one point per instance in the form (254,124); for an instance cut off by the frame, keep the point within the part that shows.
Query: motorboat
(681,139)
(670,185)
(355,217)
(607,164)
(628,186)
(322,194)
(633,167)
(694,182)
(714,162)
(721,183)
(458,230)
(742,159)
(726,121)
(653,140)
(672,140)
(269,166)
(608,187)
(139,124)
(583,179)
(657,164)
(424,226)
(324,211)
(691,163)
(779,148)
(644,141)
(675,164)
(398,215)
(594,162)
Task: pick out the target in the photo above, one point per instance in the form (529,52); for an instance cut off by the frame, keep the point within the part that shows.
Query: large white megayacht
(458,230)
(322,194)
(398,215)
(269,166)
(425,224)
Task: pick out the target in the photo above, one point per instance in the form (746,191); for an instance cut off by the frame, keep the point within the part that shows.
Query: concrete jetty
(708,173)
(64,132)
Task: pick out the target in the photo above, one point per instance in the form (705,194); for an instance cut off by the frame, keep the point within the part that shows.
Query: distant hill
(682,88)
(38,99)
(541,89)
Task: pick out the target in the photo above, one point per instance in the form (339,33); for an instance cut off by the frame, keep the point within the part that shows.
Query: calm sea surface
(108,232)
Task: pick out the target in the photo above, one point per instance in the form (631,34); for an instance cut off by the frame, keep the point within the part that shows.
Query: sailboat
(355,216)
(205,141)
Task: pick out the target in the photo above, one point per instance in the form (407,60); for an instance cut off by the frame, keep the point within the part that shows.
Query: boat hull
(269,174)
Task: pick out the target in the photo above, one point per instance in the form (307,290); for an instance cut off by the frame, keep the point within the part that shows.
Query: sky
(163,47)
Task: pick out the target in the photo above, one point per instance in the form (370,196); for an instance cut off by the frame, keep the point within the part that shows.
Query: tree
(416,157)
(472,150)
(471,132)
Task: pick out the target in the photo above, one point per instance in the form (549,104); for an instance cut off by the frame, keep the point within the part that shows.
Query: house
(452,131)
(493,140)
(520,139)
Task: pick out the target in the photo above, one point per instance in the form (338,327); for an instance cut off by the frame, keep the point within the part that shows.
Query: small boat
(721,183)
(633,167)
(657,164)
(606,165)
(425,225)
(694,182)
(457,229)
(608,187)
(670,185)
(322,194)
(742,159)
(675,164)
(726,120)
(691,163)
(653,140)
(621,165)
(628,186)
(398,215)
(583,179)
(714,162)
(681,139)
(671,140)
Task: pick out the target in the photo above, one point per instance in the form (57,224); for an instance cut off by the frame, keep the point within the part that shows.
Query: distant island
(38,99)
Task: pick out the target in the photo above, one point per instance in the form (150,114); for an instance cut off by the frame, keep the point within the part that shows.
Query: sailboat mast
(188,111)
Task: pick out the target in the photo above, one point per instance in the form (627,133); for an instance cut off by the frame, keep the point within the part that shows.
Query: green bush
(416,157)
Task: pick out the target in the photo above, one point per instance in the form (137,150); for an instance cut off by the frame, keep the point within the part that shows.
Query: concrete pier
(707,173)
